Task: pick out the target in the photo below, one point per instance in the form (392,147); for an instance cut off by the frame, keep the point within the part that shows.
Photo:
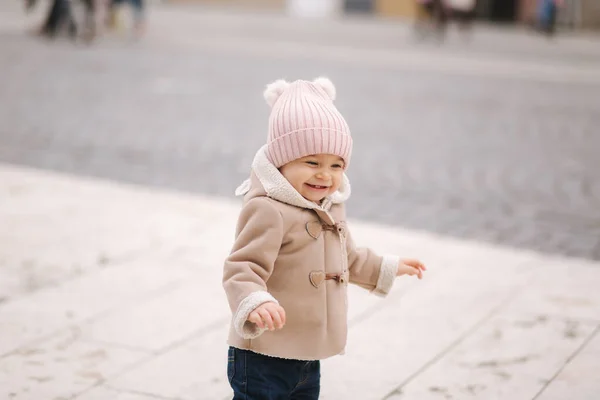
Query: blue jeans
(547,15)
(138,7)
(255,376)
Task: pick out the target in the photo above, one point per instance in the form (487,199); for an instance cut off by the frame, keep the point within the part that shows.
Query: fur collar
(278,188)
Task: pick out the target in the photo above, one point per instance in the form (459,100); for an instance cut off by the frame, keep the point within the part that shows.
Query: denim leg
(255,376)
(138,9)
(309,386)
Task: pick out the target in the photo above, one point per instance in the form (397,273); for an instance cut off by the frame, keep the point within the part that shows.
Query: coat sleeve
(370,271)
(259,235)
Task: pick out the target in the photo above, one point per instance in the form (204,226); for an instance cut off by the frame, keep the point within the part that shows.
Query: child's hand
(411,267)
(270,315)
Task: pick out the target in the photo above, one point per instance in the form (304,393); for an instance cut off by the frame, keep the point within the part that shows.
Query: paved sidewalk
(112,292)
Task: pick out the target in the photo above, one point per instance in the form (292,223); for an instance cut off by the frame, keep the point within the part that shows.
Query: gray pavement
(494,138)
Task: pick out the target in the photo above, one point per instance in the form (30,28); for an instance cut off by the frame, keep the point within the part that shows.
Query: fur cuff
(387,275)
(244,328)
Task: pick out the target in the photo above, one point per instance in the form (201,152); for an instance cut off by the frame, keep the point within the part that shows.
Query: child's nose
(323,175)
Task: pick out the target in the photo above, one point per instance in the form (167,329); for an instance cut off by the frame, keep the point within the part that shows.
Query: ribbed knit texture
(304,121)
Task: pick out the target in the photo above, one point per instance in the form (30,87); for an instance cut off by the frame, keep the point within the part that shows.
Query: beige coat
(284,246)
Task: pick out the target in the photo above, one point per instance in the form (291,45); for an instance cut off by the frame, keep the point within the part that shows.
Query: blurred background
(482,124)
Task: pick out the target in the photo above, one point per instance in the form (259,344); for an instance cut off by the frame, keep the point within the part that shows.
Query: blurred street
(493,138)
(118,162)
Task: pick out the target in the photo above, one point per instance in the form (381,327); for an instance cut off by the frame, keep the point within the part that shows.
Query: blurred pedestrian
(138,8)
(60,17)
(286,277)
(432,18)
(546,15)
(463,12)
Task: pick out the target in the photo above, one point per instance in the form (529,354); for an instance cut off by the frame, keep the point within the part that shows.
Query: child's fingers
(416,271)
(414,263)
(255,318)
(276,319)
(281,312)
(266,317)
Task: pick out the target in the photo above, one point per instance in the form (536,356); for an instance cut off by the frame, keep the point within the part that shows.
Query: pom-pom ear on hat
(326,85)
(274,90)
(304,121)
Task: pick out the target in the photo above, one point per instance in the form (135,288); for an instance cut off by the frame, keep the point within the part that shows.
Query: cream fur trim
(274,90)
(244,328)
(387,275)
(278,188)
(243,188)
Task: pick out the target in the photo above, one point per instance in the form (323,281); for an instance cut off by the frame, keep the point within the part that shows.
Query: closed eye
(314,163)
(336,166)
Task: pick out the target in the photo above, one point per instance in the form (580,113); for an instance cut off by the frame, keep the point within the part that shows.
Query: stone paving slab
(104,393)
(193,370)
(512,356)
(61,367)
(51,309)
(579,378)
(487,322)
(152,325)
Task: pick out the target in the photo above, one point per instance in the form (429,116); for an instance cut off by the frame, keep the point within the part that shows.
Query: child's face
(315,177)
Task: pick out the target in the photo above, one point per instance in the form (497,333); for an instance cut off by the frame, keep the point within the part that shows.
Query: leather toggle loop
(314,228)
(318,277)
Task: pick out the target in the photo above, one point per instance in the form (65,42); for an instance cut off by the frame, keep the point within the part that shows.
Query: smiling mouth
(317,187)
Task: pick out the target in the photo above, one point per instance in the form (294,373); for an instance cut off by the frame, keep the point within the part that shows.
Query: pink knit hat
(304,121)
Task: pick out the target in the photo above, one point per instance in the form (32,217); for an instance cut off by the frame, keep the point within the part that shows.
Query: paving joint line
(567,361)
(513,294)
